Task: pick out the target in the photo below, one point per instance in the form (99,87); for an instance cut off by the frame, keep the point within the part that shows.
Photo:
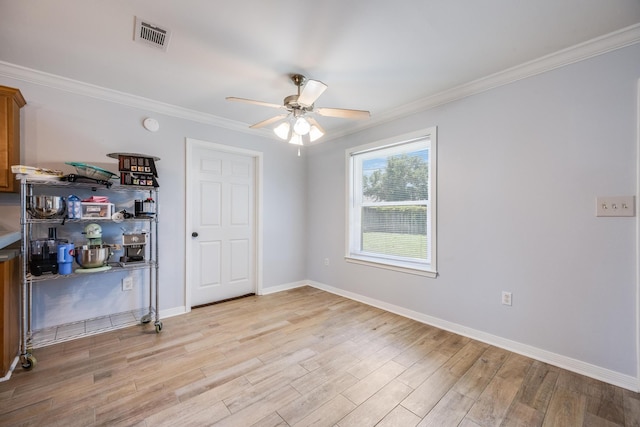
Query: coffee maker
(134,244)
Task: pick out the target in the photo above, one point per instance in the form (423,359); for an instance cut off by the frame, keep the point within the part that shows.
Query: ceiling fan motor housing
(298,79)
(291,104)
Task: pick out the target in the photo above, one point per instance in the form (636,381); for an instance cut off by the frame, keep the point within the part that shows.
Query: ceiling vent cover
(151,34)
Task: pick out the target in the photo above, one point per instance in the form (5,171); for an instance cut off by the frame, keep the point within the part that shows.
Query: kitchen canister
(74,207)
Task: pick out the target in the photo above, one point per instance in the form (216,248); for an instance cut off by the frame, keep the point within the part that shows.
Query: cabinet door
(9,312)
(11,101)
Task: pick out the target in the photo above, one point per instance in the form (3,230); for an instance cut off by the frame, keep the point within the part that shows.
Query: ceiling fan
(296,124)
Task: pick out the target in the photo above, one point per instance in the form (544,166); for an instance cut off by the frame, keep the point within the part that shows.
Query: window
(392,203)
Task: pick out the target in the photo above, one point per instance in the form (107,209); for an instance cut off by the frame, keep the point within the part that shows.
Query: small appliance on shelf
(93,256)
(43,254)
(145,208)
(134,244)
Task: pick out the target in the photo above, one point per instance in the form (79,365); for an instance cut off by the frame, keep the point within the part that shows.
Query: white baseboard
(285,287)
(11,368)
(616,378)
(174,311)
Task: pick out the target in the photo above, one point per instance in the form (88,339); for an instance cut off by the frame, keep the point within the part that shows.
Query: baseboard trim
(174,311)
(284,287)
(11,368)
(615,378)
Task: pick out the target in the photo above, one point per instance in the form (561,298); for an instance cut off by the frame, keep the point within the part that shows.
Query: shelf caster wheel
(146,318)
(158,327)
(28,362)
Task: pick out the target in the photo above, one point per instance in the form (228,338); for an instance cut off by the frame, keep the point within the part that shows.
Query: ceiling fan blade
(252,101)
(343,113)
(311,92)
(268,121)
(315,123)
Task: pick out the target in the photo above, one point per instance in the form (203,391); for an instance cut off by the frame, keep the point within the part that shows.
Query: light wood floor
(298,358)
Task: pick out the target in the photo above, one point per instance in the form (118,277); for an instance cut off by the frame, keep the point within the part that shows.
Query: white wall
(519,168)
(60,126)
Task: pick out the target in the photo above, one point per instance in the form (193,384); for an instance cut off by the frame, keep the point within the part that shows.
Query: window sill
(395,266)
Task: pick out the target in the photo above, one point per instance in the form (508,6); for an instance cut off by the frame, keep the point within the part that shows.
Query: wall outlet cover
(127,283)
(506,298)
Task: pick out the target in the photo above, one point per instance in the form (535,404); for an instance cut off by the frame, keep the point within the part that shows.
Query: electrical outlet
(506,298)
(615,206)
(127,283)
(326,262)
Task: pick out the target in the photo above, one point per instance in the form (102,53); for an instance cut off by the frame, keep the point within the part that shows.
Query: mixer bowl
(45,207)
(92,256)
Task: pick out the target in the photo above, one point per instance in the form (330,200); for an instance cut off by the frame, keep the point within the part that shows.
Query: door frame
(190,144)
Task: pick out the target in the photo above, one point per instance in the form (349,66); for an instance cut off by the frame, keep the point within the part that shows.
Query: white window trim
(428,270)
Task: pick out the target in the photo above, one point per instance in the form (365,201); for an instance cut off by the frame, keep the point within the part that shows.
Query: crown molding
(589,49)
(53,81)
(598,46)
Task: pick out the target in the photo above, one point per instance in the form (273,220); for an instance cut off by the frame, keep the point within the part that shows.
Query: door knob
(194,234)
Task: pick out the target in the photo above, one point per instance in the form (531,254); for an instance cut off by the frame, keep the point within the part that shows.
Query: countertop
(8,237)
(7,254)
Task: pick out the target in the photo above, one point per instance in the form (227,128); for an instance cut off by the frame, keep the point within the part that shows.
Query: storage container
(97,210)
(74,207)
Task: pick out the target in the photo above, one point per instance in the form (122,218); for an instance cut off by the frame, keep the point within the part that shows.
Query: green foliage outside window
(404,178)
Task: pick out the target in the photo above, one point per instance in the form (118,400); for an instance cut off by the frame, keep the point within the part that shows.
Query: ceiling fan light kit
(296,140)
(282,130)
(315,133)
(297,126)
(300,128)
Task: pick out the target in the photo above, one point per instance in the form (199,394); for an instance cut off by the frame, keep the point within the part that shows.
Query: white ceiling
(377,55)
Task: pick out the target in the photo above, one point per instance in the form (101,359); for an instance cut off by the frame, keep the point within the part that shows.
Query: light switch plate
(615,206)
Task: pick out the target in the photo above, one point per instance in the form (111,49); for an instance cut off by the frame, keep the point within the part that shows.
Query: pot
(46,207)
(92,256)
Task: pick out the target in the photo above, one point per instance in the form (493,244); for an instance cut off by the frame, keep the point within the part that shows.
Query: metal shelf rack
(27,186)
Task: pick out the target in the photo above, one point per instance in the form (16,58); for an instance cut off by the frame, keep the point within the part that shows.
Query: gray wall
(60,126)
(519,168)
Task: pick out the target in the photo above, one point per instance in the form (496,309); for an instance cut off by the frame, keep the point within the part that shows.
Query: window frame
(352,232)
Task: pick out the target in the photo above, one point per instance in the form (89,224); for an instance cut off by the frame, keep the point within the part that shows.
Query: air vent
(151,34)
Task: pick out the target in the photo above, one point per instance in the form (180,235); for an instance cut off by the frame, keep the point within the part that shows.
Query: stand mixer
(93,256)
(94,234)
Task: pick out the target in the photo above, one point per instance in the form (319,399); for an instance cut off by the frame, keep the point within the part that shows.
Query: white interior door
(222,212)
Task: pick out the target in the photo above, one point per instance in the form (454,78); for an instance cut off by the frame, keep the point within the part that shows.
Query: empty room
(296,213)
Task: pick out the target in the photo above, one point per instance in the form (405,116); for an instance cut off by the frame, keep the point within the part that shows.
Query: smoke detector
(151,34)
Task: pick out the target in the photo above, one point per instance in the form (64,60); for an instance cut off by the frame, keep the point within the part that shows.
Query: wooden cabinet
(11,101)
(9,309)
